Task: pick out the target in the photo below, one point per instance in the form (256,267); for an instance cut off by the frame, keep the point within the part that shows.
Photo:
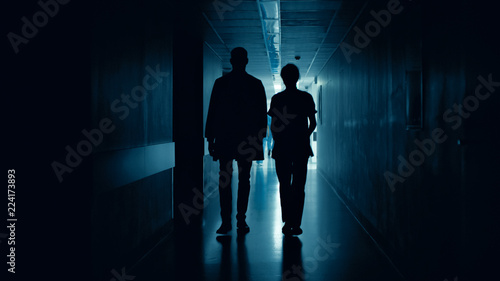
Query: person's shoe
(287,230)
(243,227)
(224,228)
(297,231)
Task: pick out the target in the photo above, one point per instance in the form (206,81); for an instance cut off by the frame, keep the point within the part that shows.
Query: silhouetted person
(236,125)
(290,111)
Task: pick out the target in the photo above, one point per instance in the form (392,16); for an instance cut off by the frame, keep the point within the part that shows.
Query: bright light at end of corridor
(277,87)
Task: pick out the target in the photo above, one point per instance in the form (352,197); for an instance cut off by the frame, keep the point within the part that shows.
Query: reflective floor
(332,247)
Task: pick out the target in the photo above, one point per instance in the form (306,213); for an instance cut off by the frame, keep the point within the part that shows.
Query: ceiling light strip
(269,43)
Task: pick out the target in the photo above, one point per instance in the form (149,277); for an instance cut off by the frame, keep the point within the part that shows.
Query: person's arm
(210,127)
(311,116)
(262,109)
(312,124)
(273,127)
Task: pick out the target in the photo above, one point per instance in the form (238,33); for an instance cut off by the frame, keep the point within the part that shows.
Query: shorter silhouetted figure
(290,111)
(236,125)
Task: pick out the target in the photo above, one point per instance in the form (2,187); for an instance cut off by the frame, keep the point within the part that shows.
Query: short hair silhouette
(239,56)
(290,74)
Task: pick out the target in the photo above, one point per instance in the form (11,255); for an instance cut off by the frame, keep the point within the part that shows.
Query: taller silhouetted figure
(290,111)
(236,125)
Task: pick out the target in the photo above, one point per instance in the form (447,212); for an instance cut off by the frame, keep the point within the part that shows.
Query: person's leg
(225,194)
(284,173)
(299,172)
(243,189)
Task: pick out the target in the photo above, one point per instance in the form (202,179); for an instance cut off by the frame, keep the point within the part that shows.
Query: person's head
(290,75)
(239,59)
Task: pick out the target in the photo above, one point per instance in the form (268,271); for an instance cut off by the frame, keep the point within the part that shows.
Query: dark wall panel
(479,145)
(188,109)
(132,51)
(128,221)
(212,69)
(132,88)
(363,139)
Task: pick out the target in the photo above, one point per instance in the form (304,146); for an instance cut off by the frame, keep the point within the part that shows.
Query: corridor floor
(332,247)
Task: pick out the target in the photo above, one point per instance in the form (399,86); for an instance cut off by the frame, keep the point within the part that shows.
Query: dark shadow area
(292,259)
(243,263)
(188,252)
(225,264)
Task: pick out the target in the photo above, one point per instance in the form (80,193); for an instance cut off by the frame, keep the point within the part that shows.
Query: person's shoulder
(223,78)
(253,78)
(305,93)
(278,96)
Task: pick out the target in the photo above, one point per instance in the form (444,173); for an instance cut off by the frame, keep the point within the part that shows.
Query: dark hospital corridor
(120,115)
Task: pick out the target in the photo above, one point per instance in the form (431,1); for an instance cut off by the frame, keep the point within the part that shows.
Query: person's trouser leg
(225,194)
(243,188)
(299,172)
(284,173)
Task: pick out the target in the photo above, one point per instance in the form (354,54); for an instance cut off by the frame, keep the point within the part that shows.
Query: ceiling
(276,32)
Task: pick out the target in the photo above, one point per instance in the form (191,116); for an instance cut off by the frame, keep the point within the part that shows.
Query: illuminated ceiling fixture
(271,27)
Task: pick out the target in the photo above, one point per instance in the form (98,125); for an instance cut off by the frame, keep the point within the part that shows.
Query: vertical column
(188,112)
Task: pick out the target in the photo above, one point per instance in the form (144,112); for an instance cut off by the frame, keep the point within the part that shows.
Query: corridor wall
(132,74)
(408,184)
